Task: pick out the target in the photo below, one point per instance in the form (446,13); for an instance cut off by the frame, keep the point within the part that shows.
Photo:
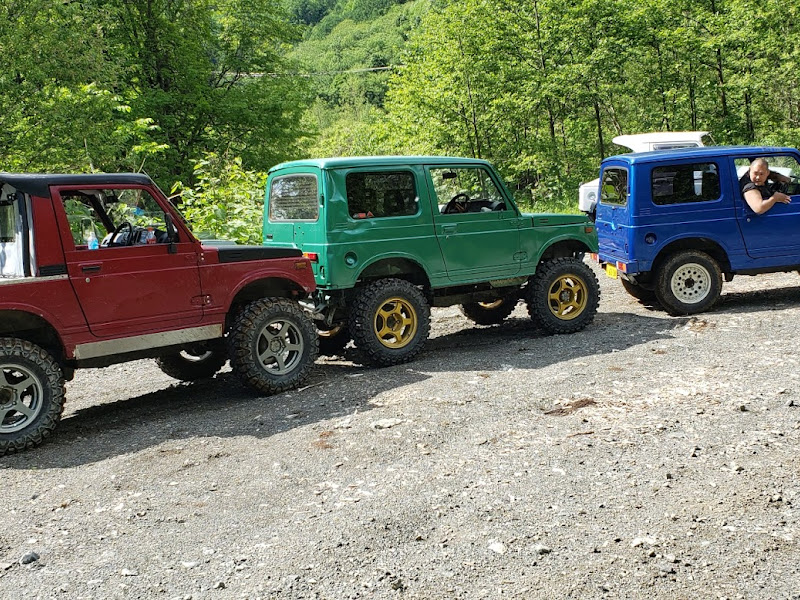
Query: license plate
(611,271)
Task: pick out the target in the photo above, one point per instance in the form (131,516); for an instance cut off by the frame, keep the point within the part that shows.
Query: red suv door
(128,286)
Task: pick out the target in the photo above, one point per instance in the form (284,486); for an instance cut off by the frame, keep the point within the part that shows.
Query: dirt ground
(646,457)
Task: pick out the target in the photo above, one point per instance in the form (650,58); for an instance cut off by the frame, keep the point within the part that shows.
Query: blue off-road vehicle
(673,224)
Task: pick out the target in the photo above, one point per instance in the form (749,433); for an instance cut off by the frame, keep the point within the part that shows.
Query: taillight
(312,256)
(622,267)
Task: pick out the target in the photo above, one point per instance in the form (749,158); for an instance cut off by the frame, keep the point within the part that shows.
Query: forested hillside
(211,93)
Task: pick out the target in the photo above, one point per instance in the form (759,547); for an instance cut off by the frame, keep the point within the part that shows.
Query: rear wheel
(688,282)
(637,291)
(490,313)
(273,345)
(201,360)
(390,322)
(562,295)
(31,394)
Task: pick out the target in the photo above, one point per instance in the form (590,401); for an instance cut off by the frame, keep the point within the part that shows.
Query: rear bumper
(623,267)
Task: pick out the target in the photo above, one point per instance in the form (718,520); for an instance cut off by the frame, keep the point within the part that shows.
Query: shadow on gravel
(745,302)
(519,344)
(758,300)
(220,407)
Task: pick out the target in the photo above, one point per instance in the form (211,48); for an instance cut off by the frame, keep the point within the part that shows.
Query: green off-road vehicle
(391,236)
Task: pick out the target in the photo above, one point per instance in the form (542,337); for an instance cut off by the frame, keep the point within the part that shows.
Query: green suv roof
(376,161)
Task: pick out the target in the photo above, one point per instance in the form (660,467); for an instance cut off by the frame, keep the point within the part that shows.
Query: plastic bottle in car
(91,240)
(150,236)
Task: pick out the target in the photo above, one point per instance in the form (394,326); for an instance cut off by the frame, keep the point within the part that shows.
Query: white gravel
(646,457)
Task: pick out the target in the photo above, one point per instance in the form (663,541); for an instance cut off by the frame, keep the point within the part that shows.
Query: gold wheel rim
(490,305)
(395,323)
(567,297)
(329,333)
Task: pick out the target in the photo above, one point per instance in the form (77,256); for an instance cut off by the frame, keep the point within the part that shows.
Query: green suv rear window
(294,198)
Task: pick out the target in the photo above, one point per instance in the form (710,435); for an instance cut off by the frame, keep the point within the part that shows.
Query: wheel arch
(34,328)
(399,267)
(563,248)
(263,287)
(710,246)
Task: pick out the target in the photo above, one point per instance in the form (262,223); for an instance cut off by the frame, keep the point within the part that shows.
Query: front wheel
(273,345)
(31,394)
(688,282)
(563,295)
(390,321)
(201,360)
(490,313)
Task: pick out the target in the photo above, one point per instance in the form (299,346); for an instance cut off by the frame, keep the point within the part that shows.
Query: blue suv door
(775,233)
(613,212)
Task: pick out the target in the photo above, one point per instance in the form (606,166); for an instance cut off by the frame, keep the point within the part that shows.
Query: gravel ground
(646,457)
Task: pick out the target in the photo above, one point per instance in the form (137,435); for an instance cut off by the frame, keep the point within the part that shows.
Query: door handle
(448,229)
(90,268)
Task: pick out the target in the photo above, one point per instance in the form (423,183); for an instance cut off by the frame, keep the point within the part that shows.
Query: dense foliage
(145,84)
(233,86)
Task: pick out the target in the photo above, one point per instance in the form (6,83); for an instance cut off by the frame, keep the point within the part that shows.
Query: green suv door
(477,230)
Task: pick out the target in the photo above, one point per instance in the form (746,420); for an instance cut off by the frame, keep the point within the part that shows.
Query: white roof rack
(642,142)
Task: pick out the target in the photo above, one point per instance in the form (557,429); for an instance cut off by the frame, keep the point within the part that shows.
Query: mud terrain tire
(31,394)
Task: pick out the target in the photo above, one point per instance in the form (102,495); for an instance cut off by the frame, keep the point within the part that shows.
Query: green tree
(226,202)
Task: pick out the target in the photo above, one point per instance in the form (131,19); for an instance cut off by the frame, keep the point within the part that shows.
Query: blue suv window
(679,184)
(614,189)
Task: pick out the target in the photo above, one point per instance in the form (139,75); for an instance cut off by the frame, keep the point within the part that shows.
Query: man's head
(759,171)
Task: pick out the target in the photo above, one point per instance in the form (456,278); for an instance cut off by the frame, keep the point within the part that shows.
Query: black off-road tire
(333,340)
(490,313)
(688,282)
(197,361)
(30,378)
(637,291)
(390,321)
(562,295)
(273,345)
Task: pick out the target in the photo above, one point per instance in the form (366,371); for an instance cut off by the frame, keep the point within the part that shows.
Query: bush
(226,203)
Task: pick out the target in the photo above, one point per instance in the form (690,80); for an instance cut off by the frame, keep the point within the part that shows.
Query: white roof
(642,142)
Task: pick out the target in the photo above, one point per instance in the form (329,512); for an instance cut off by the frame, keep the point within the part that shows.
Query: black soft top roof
(38,184)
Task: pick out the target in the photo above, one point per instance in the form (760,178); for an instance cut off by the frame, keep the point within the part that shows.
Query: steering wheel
(118,230)
(457,204)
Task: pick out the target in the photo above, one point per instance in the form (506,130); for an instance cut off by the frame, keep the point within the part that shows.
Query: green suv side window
(381,194)
(465,190)
(294,198)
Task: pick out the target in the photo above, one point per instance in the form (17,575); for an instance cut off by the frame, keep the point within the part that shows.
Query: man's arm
(761,205)
(775,176)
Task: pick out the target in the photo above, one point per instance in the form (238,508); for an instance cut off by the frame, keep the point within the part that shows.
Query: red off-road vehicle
(101,269)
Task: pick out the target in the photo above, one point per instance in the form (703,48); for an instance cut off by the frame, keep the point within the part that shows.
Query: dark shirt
(763,189)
